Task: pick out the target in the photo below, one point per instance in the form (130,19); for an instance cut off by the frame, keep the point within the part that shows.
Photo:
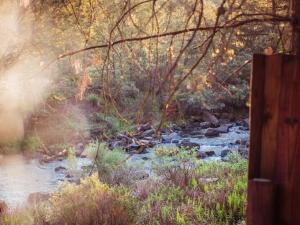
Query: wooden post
(274,160)
(295,11)
(261,202)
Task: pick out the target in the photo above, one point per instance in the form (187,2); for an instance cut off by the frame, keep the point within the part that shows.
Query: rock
(197,132)
(198,136)
(60,169)
(244,128)
(210,153)
(132,147)
(144,127)
(243,141)
(201,155)
(225,152)
(224,128)
(148,133)
(148,138)
(186,143)
(117,144)
(176,127)
(121,136)
(205,125)
(244,123)
(243,151)
(175,141)
(37,197)
(3,207)
(168,138)
(208,117)
(211,132)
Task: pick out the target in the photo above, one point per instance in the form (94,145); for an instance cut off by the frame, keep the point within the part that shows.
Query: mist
(24,84)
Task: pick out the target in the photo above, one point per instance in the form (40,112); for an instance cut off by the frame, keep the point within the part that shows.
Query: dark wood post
(261,208)
(295,11)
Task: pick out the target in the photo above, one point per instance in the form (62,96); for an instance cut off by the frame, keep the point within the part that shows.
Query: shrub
(31,143)
(92,203)
(111,164)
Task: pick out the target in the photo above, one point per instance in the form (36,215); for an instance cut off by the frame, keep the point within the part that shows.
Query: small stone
(225,152)
(60,169)
(148,133)
(205,125)
(175,141)
(243,151)
(167,138)
(186,143)
(133,147)
(144,127)
(201,155)
(197,132)
(198,136)
(210,153)
(211,132)
(121,136)
(224,128)
(244,128)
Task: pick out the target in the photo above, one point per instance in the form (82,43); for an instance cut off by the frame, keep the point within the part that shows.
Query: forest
(129,112)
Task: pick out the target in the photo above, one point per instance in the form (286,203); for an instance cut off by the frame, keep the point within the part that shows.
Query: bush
(111,164)
(91,202)
(31,143)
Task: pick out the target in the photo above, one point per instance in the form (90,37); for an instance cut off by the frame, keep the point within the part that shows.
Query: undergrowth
(194,193)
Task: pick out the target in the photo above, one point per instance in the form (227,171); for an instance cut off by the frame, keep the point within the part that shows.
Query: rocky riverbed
(23,179)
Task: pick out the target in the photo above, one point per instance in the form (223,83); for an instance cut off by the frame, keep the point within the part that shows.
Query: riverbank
(22,177)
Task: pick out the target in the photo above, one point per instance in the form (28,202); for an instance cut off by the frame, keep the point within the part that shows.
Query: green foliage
(216,195)
(116,125)
(111,164)
(31,143)
(93,99)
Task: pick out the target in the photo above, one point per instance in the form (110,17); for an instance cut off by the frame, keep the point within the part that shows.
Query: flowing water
(19,177)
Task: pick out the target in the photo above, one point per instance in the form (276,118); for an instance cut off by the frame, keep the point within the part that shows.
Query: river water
(19,177)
